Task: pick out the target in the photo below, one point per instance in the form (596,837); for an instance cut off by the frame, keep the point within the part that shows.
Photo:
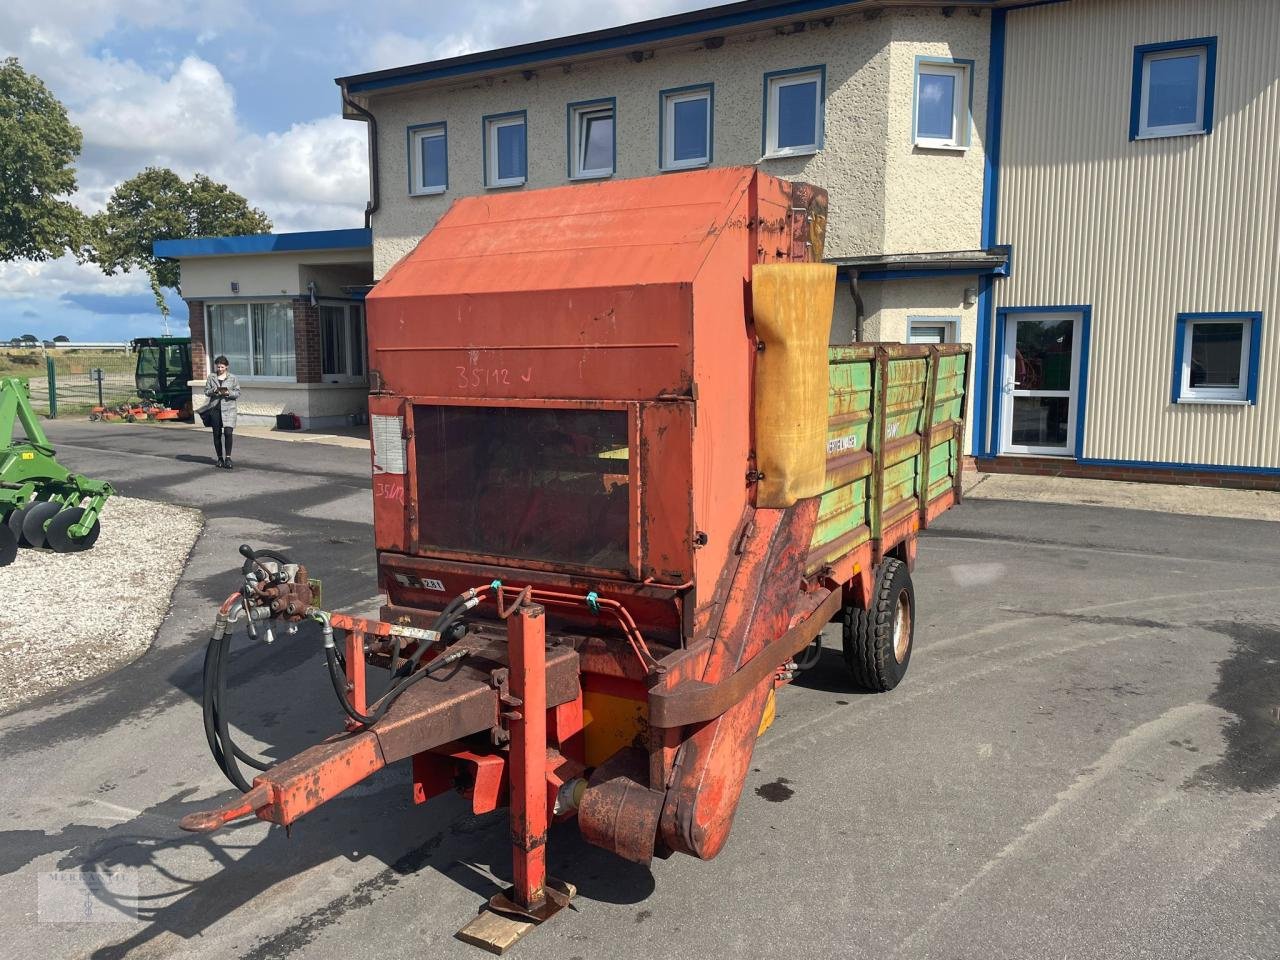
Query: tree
(157,204)
(38,145)
(62,338)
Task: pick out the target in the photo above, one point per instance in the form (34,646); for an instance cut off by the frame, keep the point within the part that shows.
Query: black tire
(37,515)
(878,642)
(58,538)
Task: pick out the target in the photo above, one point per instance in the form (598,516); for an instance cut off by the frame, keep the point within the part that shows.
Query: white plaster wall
(259,274)
(317,404)
(933,197)
(860,55)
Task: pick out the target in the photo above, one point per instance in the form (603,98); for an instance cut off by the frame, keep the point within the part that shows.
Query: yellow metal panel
(792,304)
(611,723)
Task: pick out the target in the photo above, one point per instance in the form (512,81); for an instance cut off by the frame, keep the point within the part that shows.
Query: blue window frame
(506,149)
(1173,88)
(942,103)
(1216,357)
(685,127)
(428,159)
(794,108)
(592,138)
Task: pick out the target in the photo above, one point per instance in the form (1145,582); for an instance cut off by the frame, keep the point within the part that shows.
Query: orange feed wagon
(621,482)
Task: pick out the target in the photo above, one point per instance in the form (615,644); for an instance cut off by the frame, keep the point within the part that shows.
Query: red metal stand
(526,630)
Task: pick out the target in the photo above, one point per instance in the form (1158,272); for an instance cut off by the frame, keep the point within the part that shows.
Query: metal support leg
(527,636)
(534,897)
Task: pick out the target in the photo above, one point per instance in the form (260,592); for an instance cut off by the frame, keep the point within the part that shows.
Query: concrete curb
(1153,497)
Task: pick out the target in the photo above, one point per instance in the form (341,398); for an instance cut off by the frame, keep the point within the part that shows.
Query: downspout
(375,195)
(859,312)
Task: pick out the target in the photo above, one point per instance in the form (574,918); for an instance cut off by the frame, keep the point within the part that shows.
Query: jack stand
(534,897)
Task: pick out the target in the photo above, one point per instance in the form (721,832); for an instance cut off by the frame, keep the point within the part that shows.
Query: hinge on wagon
(754,476)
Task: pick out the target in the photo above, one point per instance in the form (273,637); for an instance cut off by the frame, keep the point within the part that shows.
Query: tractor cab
(163,371)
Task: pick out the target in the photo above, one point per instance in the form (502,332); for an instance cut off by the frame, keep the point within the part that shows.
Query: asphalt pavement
(1083,761)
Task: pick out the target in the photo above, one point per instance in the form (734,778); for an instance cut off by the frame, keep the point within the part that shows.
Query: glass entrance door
(1041,373)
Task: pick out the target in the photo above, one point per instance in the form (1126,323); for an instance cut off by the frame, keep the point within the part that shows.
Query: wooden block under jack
(499,932)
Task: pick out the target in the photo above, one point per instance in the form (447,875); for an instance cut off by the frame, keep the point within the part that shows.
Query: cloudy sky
(243,92)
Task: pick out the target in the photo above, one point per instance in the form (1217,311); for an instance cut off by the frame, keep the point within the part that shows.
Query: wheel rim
(902,627)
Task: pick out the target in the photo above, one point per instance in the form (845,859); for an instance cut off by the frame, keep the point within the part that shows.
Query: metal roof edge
(347,239)
(708,20)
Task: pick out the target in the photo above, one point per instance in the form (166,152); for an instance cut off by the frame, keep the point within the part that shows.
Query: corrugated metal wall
(1145,230)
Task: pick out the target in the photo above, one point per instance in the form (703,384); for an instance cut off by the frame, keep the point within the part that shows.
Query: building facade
(1080,188)
(1143,214)
(287,311)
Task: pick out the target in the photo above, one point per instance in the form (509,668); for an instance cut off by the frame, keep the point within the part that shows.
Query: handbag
(206,412)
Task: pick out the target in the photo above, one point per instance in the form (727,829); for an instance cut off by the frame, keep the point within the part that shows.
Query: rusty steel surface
(619,813)
(695,701)
(712,762)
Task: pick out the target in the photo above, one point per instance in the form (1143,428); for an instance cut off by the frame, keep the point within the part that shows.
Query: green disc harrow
(42,504)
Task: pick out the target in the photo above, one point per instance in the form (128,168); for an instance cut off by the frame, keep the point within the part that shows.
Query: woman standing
(223,389)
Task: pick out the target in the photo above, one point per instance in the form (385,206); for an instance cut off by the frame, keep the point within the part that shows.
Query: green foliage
(38,145)
(157,204)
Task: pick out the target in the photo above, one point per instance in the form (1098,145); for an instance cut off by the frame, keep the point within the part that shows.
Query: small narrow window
(1217,358)
(591,139)
(942,104)
(793,112)
(931,330)
(428,159)
(1173,89)
(506,150)
(686,128)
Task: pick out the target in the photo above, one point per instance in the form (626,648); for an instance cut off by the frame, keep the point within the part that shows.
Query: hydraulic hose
(216,727)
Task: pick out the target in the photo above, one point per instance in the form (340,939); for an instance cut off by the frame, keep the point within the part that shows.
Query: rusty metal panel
(667,533)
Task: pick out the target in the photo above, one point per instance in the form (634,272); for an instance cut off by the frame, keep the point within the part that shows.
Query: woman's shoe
(220,463)
(227,463)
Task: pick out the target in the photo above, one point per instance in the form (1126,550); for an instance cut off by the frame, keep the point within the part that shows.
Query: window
(1173,88)
(591,139)
(793,102)
(257,338)
(1216,357)
(428,159)
(685,132)
(931,329)
(942,95)
(342,342)
(506,150)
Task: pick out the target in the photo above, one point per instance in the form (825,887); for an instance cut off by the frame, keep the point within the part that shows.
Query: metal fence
(72,382)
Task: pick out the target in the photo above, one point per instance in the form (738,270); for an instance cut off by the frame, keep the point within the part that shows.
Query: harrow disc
(8,545)
(58,538)
(16,518)
(37,515)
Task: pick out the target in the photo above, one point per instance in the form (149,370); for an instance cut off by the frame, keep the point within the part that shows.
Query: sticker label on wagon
(841,444)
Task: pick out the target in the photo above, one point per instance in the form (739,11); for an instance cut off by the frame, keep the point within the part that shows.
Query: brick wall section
(1051,467)
(306,341)
(199,351)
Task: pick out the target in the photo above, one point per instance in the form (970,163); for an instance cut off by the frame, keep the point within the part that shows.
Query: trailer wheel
(878,641)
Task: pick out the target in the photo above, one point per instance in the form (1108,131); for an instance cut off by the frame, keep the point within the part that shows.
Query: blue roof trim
(264,243)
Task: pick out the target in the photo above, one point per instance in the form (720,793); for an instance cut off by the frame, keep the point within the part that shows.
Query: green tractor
(163,374)
(42,503)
